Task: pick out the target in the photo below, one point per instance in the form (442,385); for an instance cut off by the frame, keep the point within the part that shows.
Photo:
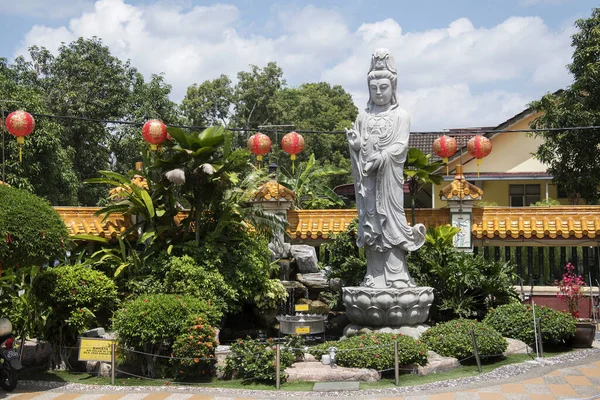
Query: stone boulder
(437,363)
(99,368)
(318,372)
(306,258)
(318,307)
(36,353)
(314,281)
(516,347)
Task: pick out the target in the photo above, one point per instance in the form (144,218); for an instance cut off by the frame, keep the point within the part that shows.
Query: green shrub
(515,321)
(186,276)
(453,339)
(375,350)
(251,359)
(245,264)
(150,324)
(31,231)
(75,295)
(346,261)
(194,350)
(465,285)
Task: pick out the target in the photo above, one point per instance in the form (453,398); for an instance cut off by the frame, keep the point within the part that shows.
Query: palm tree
(418,172)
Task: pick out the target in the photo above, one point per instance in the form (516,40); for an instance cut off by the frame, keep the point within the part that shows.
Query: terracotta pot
(585,334)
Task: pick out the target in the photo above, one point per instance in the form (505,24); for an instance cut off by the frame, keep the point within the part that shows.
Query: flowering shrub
(194,350)
(254,360)
(569,289)
(515,321)
(375,350)
(453,339)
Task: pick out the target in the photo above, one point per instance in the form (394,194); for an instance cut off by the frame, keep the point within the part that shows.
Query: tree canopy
(573,156)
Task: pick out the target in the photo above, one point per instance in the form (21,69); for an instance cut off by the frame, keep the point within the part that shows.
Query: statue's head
(382,79)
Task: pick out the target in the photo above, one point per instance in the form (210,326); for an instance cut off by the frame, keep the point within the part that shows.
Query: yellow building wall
(511,152)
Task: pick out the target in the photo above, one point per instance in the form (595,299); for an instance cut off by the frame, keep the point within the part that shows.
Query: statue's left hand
(372,164)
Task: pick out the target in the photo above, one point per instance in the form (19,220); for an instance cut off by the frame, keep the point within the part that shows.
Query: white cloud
(451,76)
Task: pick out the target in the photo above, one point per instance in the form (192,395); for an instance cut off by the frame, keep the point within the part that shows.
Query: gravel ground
(505,374)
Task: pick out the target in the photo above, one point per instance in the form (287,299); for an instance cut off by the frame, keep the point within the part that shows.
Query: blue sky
(460,62)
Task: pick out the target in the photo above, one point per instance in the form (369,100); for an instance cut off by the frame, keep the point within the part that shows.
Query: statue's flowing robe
(382,226)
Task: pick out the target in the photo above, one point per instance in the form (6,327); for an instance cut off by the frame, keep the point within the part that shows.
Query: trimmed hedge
(31,231)
(375,350)
(515,321)
(453,339)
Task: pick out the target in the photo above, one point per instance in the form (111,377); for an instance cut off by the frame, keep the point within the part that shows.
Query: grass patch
(386,382)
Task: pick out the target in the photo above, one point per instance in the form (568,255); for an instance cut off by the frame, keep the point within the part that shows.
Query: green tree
(209,103)
(573,156)
(255,95)
(47,167)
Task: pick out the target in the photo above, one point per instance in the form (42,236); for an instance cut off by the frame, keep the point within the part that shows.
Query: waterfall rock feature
(306,258)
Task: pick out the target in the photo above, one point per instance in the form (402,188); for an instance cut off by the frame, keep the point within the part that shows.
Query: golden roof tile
(273,190)
(82,221)
(460,188)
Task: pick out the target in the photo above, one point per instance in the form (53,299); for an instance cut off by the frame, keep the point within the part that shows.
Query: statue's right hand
(352,138)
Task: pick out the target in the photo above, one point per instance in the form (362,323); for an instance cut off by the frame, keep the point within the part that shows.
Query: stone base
(414,331)
(387,307)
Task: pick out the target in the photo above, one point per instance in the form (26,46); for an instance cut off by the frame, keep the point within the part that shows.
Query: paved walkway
(577,380)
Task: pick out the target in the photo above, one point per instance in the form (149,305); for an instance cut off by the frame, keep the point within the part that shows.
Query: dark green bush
(515,320)
(75,295)
(255,361)
(453,339)
(375,350)
(150,324)
(346,261)
(31,231)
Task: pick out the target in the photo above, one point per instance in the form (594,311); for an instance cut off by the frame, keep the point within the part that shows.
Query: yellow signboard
(303,330)
(94,349)
(301,307)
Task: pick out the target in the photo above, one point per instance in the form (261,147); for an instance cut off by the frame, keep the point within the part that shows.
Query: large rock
(437,363)
(318,307)
(315,281)
(36,353)
(317,372)
(516,347)
(99,368)
(306,258)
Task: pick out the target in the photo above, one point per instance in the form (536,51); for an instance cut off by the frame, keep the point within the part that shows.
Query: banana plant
(307,184)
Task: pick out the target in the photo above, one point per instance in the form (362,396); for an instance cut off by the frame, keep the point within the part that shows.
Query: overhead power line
(456,132)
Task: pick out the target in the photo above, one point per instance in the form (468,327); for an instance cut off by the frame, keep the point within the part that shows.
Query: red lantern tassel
(478,164)
(445,160)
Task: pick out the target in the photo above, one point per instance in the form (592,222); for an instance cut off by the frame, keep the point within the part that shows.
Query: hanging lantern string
(310,131)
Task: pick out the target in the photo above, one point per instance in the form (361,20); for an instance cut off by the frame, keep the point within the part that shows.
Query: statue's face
(381,91)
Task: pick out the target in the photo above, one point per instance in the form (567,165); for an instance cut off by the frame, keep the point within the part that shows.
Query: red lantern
(292,143)
(479,147)
(154,132)
(20,124)
(444,147)
(259,144)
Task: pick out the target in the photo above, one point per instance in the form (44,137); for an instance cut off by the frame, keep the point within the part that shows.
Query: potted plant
(570,291)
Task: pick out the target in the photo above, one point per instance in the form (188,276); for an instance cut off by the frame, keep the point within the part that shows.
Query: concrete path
(577,380)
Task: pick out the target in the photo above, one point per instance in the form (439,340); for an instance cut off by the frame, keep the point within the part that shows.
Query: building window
(524,195)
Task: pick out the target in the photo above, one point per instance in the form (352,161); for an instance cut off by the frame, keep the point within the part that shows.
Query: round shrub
(31,231)
(254,360)
(453,339)
(76,296)
(194,350)
(150,324)
(515,320)
(375,350)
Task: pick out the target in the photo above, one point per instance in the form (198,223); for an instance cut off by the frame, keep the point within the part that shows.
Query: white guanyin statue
(378,146)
